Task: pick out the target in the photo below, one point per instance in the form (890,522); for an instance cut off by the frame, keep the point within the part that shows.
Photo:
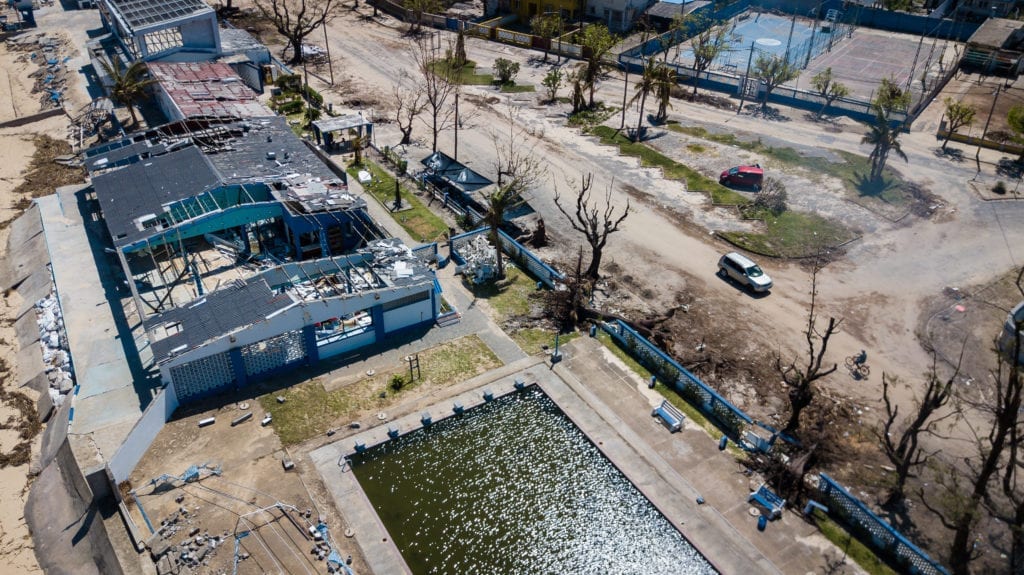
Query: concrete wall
(201,34)
(142,434)
(66,523)
(409,315)
(346,345)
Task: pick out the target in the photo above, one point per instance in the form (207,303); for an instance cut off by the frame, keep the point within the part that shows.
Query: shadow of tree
(951,154)
(1009,168)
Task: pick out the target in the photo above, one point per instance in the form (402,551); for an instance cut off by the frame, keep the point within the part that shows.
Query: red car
(745,176)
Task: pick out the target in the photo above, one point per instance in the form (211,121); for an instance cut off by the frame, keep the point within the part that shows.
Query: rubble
(54,341)
(481,260)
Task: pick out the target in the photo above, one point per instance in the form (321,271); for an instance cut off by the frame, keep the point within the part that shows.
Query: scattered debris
(54,342)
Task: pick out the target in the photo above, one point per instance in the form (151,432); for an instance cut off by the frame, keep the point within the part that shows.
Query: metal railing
(881,536)
(726,416)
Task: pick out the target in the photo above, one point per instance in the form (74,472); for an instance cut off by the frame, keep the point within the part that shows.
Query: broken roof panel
(207,89)
(236,305)
(138,191)
(348,122)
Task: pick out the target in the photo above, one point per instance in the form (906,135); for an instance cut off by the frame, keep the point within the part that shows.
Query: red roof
(207,89)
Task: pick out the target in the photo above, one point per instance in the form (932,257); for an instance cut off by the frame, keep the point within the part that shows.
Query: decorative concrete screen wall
(142,435)
(274,353)
(202,377)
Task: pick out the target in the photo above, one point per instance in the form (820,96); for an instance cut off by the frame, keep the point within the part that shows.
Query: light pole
(330,64)
(746,78)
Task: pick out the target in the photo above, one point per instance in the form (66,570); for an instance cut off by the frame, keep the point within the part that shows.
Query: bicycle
(858,367)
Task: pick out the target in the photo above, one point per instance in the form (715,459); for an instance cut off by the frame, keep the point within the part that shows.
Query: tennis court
(770,35)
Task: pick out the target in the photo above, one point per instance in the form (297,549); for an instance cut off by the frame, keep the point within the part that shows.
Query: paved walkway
(106,402)
(612,405)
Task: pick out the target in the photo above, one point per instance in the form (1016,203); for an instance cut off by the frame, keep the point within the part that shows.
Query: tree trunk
(131,110)
(593,270)
(640,122)
(799,398)
(406,136)
(498,256)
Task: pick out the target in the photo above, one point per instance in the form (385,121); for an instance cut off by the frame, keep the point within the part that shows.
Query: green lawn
(421,223)
(311,410)
(790,234)
(466,76)
(516,88)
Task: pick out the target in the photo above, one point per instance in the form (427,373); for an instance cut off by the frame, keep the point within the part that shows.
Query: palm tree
(498,202)
(885,139)
(665,78)
(129,85)
(645,86)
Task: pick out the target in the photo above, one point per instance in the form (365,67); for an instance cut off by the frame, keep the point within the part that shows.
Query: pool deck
(614,409)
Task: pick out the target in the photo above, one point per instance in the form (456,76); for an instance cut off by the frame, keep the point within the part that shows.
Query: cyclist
(861,359)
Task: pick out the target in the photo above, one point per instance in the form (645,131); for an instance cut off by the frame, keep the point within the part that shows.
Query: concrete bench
(670,414)
(769,500)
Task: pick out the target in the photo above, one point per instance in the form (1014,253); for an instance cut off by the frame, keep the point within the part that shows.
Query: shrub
(772,196)
(999,188)
(314,97)
(397,381)
(290,107)
(552,82)
(289,82)
(506,70)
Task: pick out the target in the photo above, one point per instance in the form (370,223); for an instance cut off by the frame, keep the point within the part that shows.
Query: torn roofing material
(236,305)
(140,190)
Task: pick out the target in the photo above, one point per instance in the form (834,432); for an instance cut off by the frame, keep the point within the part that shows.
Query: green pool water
(513,486)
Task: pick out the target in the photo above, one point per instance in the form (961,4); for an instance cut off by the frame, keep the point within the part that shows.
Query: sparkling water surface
(514,486)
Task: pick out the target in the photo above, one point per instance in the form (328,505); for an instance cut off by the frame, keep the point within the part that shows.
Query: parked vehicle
(744,176)
(743,270)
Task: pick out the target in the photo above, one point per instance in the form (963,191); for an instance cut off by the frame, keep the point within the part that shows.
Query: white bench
(670,414)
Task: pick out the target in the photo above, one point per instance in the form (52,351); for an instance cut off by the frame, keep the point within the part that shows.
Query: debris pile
(481,260)
(195,550)
(51,55)
(54,342)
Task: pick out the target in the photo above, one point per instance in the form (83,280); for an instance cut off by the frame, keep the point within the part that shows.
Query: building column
(312,351)
(238,366)
(377,315)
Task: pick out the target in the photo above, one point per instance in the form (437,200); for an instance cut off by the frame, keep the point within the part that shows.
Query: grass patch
(696,148)
(673,170)
(508,297)
(516,88)
(789,234)
(589,119)
(786,235)
(852,171)
(310,410)
(466,75)
(421,223)
(533,339)
(854,549)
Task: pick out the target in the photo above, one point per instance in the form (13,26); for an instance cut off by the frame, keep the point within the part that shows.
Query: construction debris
(481,260)
(54,342)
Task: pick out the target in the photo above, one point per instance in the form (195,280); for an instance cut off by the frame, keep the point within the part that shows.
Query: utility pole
(625,87)
(456,158)
(330,63)
(746,78)
(789,41)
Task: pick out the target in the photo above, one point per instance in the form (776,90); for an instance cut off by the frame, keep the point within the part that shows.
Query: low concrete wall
(66,524)
(32,118)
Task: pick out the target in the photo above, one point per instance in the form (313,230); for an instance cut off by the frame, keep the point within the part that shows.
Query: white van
(743,270)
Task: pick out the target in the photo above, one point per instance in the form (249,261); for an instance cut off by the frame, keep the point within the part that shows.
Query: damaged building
(245,254)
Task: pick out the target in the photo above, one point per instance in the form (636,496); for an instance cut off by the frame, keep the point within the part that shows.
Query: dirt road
(877,287)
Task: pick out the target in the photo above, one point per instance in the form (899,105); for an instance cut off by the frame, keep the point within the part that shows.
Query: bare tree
(296,19)
(800,379)
(1001,407)
(437,87)
(958,114)
(900,437)
(595,223)
(519,170)
(409,104)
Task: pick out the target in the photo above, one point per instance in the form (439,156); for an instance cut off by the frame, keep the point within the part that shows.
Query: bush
(999,188)
(290,107)
(314,97)
(772,196)
(289,82)
(397,381)
(506,70)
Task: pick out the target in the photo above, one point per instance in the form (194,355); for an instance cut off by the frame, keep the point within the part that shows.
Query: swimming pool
(513,486)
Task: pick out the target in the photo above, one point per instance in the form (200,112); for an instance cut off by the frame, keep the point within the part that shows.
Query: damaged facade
(246,254)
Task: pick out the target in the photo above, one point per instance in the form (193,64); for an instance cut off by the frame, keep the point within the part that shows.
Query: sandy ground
(16,100)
